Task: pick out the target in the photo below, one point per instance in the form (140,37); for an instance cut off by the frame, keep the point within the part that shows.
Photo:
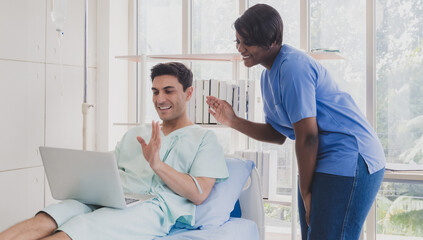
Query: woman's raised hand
(221,110)
(151,151)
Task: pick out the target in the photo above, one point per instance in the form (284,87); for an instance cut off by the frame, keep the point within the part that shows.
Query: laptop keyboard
(130,200)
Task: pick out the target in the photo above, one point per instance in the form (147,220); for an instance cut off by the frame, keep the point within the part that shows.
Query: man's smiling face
(169,98)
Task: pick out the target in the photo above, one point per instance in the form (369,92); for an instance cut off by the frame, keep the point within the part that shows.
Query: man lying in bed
(177,161)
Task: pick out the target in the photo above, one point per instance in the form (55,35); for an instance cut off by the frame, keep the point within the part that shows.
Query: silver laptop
(89,177)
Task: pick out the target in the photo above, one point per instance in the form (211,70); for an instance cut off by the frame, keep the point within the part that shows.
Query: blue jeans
(339,204)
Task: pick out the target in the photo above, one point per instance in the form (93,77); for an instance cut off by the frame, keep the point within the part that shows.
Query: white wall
(41,92)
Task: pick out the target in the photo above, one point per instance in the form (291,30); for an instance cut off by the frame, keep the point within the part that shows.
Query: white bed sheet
(235,228)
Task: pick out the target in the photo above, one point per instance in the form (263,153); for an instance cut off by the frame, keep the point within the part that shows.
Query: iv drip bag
(58,14)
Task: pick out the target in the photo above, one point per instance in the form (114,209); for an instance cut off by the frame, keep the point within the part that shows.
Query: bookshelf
(239,142)
(225,57)
(234,58)
(326,55)
(126,124)
(202,125)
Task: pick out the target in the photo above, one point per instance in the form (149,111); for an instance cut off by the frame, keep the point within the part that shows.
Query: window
(399,58)
(212,32)
(341,25)
(399,96)
(158,35)
(399,211)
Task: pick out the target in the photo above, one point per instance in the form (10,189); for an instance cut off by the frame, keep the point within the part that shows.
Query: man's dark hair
(261,25)
(178,70)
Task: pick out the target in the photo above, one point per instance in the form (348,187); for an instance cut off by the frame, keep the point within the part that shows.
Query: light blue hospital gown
(191,149)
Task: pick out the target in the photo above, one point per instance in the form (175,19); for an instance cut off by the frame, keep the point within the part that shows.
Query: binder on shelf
(222,90)
(251,100)
(266,164)
(230,93)
(214,91)
(260,166)
(242,98)
(191,106)
(198,101)
(250,155)
(269,176)
(235,103)
(206,92)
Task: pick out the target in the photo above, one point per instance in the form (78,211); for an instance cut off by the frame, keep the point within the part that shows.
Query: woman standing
(340,158)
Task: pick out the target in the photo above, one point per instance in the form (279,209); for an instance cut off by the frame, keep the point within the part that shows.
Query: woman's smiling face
(251,54)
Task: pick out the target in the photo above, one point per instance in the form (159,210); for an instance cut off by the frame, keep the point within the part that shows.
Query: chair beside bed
(233,210)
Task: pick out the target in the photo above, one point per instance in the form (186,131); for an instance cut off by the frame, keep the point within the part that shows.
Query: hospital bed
(246,220)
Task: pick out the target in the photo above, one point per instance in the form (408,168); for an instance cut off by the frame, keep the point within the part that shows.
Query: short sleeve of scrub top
(298,91)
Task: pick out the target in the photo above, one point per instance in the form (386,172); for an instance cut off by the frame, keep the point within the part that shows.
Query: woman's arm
(306,146)
(223,112)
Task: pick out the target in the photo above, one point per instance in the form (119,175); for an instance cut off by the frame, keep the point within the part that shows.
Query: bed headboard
(251,202)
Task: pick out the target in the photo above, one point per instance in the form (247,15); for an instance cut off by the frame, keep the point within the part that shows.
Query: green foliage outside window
(400,209)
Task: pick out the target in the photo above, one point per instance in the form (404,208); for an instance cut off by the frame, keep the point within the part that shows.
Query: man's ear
(189,92)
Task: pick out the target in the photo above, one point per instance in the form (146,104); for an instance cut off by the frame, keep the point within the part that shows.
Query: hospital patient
(177,161)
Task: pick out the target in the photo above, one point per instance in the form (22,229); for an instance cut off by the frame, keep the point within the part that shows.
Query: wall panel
(22,111)
(22,195)
(22,25)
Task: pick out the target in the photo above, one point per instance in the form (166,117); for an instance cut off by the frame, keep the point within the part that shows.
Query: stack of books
(241,96)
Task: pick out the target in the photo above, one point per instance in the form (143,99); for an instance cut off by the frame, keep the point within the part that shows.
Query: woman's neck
(273,53)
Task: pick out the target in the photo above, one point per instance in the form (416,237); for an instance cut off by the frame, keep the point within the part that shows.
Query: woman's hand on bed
(151,151)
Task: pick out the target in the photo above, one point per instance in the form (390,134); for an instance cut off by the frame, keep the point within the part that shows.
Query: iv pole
(85,106)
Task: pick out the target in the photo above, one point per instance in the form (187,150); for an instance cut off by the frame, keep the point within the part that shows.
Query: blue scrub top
(299,87)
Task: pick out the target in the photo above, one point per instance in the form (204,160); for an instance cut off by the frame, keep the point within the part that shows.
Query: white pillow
(216,209)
